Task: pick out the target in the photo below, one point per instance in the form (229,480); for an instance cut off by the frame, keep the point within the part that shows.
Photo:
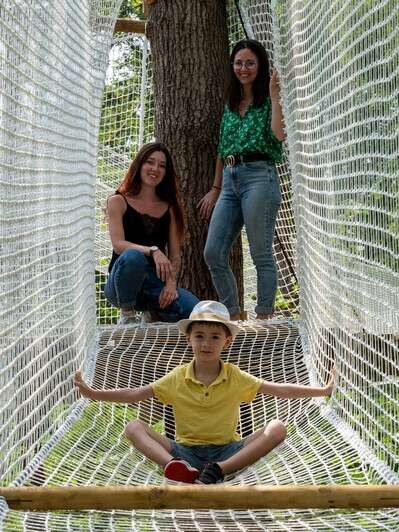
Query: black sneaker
(211,474)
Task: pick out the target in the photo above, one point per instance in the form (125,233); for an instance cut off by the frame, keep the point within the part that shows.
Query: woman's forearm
(217,181)
(176,263)
(277,124)
(122,245)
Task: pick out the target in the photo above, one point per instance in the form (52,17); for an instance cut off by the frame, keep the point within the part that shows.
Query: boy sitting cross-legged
(205,395)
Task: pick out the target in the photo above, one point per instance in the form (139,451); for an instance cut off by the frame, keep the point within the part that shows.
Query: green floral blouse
(249,134)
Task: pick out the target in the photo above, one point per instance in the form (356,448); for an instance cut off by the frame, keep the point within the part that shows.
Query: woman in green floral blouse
(246,187)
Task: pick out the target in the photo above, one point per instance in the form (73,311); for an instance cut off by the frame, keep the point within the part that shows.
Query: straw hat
(210,311)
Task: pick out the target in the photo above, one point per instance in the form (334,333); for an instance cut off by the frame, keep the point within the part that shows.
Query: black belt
(233,160)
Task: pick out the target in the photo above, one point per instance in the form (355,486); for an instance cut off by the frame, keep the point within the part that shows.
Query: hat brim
(182,325)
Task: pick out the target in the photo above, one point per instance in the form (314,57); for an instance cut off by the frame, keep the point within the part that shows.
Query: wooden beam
(200,497)
(128,25)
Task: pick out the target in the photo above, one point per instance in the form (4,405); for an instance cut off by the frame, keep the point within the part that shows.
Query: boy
(205,395)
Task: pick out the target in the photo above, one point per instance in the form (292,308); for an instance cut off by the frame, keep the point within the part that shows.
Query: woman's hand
(207,203)
(274,87)
(84,389)
(168,294)
(163,265)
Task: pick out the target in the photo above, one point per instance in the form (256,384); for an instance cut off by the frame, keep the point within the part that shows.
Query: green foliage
(385,411)
(111,175)
(106,313)
(284,302)
(279,7)
(120,113)
(365,38)
(122,105)
(88,438)
(131,9)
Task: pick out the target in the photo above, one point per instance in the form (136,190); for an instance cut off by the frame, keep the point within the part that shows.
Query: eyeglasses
(249,65)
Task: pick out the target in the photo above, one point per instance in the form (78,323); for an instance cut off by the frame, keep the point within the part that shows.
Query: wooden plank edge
(128,25)
(201,497)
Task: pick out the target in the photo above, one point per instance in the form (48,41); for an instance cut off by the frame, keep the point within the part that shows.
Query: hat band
(209,316)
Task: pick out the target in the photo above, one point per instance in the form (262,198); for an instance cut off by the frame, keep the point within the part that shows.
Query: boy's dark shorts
(199,455)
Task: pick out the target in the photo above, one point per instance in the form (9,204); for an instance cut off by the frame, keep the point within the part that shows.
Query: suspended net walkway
(339,67)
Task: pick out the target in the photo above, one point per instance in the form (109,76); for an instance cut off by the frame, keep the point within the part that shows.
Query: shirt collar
(190,373)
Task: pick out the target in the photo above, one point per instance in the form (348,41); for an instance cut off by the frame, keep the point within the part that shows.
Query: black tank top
(143,229)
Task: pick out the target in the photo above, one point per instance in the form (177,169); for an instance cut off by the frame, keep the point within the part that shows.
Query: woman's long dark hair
(166,190)
(260,86)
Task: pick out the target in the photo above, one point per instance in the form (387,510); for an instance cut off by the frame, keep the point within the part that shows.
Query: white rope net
(339,67)
(53,57)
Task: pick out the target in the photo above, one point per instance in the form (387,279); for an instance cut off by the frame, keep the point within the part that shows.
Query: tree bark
(189,44)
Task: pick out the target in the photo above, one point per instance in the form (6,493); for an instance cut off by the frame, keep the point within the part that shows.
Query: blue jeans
(199,455)
(251,196)
(133,284)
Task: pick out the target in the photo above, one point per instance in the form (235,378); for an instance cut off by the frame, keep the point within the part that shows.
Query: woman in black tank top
(146,229)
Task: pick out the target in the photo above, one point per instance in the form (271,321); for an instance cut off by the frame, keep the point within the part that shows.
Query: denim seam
(231,191)
(267,220)
(259,309)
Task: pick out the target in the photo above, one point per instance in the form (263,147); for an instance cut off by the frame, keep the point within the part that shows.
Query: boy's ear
(229,341)
(188,339)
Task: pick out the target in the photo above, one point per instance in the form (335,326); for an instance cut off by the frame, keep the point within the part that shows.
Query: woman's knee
(186,301)
(213,254)
(133,429)
(277,430)
(262,253)
(132,259)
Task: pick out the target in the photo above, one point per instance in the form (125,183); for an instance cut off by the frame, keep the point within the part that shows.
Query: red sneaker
(180,471)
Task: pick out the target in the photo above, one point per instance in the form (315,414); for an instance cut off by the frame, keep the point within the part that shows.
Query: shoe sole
(181,472)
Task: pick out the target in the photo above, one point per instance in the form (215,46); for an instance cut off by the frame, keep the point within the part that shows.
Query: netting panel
(53,57)
(339,63)
(339,68)
(95,452)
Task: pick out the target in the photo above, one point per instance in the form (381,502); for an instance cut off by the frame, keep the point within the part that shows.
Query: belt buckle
(230,161)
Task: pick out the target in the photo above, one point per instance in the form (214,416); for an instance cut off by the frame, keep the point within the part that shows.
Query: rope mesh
(51,82)
(340,99)
(339,66)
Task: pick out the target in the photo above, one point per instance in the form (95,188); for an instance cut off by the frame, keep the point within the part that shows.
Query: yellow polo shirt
(206,414)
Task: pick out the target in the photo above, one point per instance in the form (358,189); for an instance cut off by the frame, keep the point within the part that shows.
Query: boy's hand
(83,388)
(331,381)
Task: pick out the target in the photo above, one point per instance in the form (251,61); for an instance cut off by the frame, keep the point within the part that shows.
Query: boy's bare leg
(257,445)
(153,445)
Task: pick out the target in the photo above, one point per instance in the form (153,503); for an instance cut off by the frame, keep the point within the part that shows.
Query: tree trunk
(189,46)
